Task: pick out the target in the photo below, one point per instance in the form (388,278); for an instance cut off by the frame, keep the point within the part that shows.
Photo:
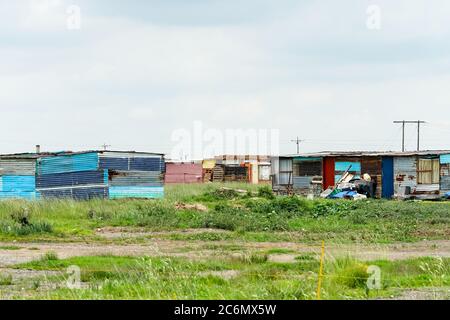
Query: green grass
(254,215)
(5,280)
(10,248)
(111,277)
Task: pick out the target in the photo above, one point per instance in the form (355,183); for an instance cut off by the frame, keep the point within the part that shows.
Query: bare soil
(199,249)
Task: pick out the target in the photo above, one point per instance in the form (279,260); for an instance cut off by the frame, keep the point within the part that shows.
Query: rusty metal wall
(405,172)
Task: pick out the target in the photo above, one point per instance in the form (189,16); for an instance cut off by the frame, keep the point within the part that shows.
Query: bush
(49,256)
(253,258)
(231,218)
(351,273)
(294,205)
(21,216)
(334,207)
(266,192)
(16,229)
(5,280)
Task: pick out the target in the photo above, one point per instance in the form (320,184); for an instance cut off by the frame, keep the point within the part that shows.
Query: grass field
(207,242)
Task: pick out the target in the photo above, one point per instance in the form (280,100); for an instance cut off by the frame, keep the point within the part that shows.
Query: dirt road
(24,252)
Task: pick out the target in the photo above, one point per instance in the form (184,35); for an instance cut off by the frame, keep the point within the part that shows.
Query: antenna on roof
(297,141)
(106,146)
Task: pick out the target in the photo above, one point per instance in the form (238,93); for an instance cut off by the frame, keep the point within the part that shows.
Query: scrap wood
(338,182)
(236,190)
(195,206)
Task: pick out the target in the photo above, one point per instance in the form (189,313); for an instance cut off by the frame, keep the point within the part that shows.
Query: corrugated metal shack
(101,174)
(420,175)
(18,176)
(82,175)
(183,172)
(237,168)
(282,173)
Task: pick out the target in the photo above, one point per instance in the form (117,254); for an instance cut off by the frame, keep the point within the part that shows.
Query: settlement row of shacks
(129,174)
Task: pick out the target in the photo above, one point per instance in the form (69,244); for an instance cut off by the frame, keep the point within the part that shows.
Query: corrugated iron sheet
(135,178)
(132,163)
(445,184)
(18,167)
(264,173)
(17,184)
(445,178)
(405,172)
(445,159)
(427,188)
(302,182)
(183,173)
(20,195)
(68,163)
(136,192)
(77,193)
(97,177)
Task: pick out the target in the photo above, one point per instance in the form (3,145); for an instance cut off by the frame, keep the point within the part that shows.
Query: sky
(135,75)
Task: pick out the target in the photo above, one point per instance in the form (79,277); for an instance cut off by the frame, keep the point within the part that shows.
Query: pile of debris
(351,187)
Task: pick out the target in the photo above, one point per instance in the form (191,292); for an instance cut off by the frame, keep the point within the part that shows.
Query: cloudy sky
(135,72)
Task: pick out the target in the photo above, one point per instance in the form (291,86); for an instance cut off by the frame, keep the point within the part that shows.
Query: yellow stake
(319,283)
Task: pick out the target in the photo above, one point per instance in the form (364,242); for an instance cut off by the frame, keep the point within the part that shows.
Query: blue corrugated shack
(101,174)
(18,176)
(82,175)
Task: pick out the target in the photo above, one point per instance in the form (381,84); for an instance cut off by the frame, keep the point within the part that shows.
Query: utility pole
(297,141)
(403,123)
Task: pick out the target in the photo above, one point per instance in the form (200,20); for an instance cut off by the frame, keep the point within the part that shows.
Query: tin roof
(367,154)
(63,153)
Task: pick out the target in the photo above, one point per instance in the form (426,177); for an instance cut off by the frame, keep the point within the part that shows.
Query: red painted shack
(183,172)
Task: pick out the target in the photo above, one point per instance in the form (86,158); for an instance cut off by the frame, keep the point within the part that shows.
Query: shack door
(328,172)
(388,177)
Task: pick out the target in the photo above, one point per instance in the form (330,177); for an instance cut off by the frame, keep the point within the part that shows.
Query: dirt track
(200,249)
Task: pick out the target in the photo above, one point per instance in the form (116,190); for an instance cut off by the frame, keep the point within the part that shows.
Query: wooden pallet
(217,174)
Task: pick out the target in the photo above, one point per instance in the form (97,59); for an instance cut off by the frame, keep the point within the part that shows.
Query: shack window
(307,168)
(428,171)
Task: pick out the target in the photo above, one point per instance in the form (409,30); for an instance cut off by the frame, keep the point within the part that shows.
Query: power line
(297,141)
(403,123)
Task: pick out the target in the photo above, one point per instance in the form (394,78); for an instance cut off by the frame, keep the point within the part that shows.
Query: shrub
(266,192)
(253,258)
(334,207)
(294,205)
(49,256)
(5,280)
(16,229)
(351,273)
(21,216)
